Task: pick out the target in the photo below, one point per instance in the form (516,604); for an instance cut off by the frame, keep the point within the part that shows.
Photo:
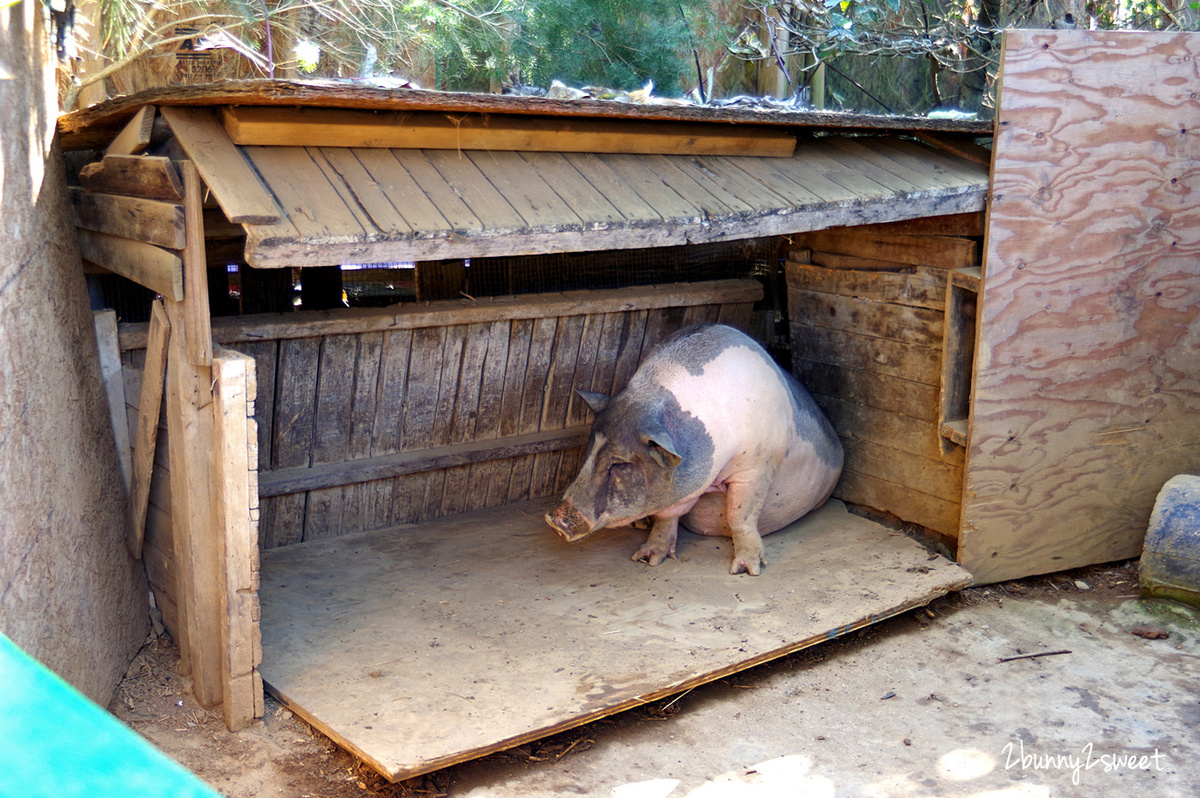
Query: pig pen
(364,486)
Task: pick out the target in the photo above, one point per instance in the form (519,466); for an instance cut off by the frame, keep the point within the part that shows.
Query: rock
(1150,632)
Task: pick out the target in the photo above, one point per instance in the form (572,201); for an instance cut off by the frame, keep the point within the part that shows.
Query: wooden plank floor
(424,646)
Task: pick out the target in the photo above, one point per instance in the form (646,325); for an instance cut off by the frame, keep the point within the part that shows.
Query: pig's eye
(619,467)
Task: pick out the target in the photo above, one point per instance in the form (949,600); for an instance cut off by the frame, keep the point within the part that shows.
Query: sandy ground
(920,705)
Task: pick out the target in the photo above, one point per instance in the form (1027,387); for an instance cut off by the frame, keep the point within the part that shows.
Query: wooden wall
(377,417)
(868,313)
(1087,395)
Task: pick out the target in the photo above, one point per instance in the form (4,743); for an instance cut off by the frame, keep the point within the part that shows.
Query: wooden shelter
(390,465)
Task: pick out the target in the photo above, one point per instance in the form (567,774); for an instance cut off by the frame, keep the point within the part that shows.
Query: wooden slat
(913,506)
(918,474)
(871,388)
(237,187)
(152,177)
(331,430)
(485,200)
(946,252)
(386,429)
(367,191)
(1086,394)
(134,138)
(288,481)
(314,127)
(149,405)
(307,324)
(541,353)
(884,427)
(610,185)
(357,501)
(305,195)
(157,269)
(145,220)
(525,190)
(292,435)
(557,398)
(467,407)
(903,323)
(917,363)
(963,147)
(585,199)
(197,330)
(923,288)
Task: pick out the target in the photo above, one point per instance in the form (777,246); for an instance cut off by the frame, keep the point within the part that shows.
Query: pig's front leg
(743,504)
(660,543)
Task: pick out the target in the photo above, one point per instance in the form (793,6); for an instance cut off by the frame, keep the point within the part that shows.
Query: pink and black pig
(710,431)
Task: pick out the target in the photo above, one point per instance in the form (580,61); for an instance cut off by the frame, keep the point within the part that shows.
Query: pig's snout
(568,522)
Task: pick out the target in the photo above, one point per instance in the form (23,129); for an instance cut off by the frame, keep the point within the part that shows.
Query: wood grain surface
(420,647)
(1086,389)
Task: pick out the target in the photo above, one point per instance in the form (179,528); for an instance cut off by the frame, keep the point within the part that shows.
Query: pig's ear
(661,448)
(596,401)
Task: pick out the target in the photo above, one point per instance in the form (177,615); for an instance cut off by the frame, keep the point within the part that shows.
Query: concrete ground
(920,705)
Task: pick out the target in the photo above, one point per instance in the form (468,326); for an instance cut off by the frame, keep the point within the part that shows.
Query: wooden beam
(134,138)
(146,220)
(409,316)
(235,510)
(149,407)
(314,127)
(962,146)
(298,480)
(157,269)
(239,190)
(945,252)
(133,175)
(199,564)
(198,329)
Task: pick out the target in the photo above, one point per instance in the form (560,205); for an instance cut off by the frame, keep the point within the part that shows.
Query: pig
(709,431)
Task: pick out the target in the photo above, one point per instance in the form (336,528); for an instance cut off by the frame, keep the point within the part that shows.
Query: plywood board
(420,647)
(1087,382)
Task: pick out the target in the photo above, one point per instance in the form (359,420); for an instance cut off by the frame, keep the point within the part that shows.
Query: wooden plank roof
(356,205)
(97,125)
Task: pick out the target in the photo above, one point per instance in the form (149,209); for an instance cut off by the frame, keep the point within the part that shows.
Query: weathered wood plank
(525,190)
(240,642)
(149,407)
(292,435)
(557,399)
(152,177)
(497,132)
(134,138)
(296,182)
(946,252)
(552,665)
(1086,391)
(902,323)
(388,177)
(588,203)
(237,187)
(487,423)
(420,409)
(466,180)
(157,269)
(149,221)
(912,506)
(919,474)
(196,554)
(541,350)
(331,430)
(293,481)
(884,427)
(925,288)
(870,388)
(105,324)
(357,500)
(916,363)
(197,330)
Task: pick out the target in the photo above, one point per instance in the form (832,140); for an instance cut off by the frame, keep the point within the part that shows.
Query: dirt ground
(1088,610)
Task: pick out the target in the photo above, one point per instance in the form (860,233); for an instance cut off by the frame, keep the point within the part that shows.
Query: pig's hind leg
(660,544)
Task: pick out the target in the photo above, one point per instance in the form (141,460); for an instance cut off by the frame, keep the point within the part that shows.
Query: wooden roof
(361,205)
(356,175)
(97,125)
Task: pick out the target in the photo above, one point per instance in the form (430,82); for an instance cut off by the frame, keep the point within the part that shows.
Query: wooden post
(235,503)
